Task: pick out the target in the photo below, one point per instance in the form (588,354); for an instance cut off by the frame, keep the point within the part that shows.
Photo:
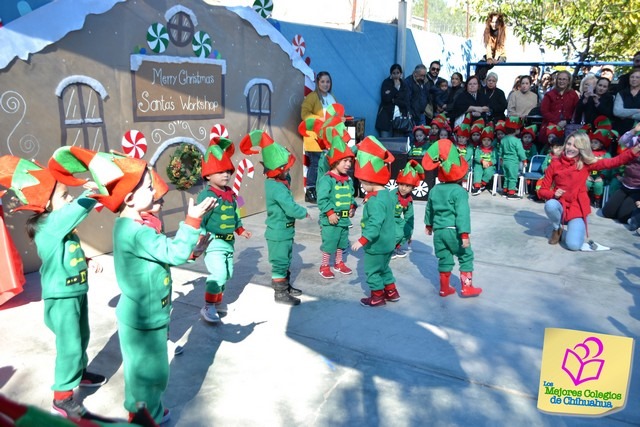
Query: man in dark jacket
(418,94)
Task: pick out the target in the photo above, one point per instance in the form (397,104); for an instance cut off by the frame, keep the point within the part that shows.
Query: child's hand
(466,242)
(201,246)
(246,234)
(198,211)
(90,185)
(94,266)
(308,216)
(638,204)
(333,219)
(636,129)
(352,212)
(428,229)
(559,192)
(357,245)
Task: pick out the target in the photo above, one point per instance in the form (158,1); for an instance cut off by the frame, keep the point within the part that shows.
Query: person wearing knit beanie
(282,212)
(528,137)
(220,223)
(512,153)
(448,218)
(408,179)
(373,169)
(484,164)
(64,272)
(337,205)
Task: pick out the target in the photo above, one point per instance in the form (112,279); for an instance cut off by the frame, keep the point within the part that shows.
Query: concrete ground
(424,360)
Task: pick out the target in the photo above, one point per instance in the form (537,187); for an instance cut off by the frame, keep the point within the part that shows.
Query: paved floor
(424,360)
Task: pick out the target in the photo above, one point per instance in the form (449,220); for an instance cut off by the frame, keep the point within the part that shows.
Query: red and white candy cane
(218,131)
(245,166)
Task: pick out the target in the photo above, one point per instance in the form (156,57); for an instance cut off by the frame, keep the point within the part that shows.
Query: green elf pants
(446,244)
(219,261)
(481,174)
(280,253)
(377,269)
(597,186)
(68,319)
(146,367)
(334,237)
(511,170)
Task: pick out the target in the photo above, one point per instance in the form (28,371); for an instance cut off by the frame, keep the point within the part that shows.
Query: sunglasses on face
(435,69)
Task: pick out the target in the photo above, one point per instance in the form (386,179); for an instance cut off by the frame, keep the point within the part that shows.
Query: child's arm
(428,218)
(463,218)
(408,222)
(323,192)
(285,200)
(64,221)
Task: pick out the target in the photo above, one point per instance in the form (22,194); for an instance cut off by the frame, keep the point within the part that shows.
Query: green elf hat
(602,122)
(444,156)
(487,132)
(412,174)
(275,158)
(441,122)
(467,120)
(531,130)
(115,174)
(463,130)
(325,127)
(500,126)
(217,158)
(373,161)
(477,126)
(513,122)
(339,150)
(554,129)
(603,135)
(31,183)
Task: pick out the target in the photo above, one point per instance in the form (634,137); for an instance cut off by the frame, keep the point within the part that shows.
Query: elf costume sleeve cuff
(239,231)
(330,212)
(429,228)
(363,241)
(193,222)
(464,235)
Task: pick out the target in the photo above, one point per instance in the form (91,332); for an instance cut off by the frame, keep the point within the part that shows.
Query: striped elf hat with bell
(115,174)
(31,183)
(275,158)
(373,161)
(445,157)
(412,174)
(217,158)
(339,150)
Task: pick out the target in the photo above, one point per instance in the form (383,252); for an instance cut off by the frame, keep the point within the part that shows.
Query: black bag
(402,124)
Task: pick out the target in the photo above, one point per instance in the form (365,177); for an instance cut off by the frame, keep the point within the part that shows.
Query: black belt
(290,224)
(80,279)
(344,214)
(224,236)
(164,301)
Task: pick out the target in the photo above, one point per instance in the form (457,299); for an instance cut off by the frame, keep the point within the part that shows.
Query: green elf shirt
(378,218)
(403,214)
(511,150)
(466,152)
(64,267)
(222,220)
(335,195)
(448,207)
(142,259)
(282,210)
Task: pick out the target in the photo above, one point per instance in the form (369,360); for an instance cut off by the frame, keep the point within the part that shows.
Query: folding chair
(497,178)
(533,173)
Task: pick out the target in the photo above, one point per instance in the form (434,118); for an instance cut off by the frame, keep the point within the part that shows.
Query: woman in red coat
(563,186)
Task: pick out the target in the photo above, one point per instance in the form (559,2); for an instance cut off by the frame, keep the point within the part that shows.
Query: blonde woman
(563,187)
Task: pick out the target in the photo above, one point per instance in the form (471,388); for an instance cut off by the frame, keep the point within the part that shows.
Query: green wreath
(185,166)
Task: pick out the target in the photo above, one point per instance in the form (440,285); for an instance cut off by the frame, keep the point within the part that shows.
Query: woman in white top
(522,101)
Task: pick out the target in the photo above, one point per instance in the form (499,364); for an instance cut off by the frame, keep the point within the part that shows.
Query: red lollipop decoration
(134,144)
(299,44)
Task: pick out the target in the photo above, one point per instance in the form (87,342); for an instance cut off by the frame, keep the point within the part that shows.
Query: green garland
(185,166)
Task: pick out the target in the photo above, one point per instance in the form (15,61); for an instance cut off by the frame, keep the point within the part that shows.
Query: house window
(80,105)
(181,29)
(258,94)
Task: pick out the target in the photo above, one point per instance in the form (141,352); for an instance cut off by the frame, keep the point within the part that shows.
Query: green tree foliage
(586,30)
(441,18)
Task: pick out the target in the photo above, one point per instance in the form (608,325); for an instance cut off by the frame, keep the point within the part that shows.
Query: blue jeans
(573,238)
(312,170)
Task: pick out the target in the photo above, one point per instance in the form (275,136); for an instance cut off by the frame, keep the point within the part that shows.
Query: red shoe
(467,288)
(375,300)
(325,271)
(445,288)
(391,293)
(341,267)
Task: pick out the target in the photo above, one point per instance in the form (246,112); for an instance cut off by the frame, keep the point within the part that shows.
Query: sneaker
(341,267)
(394,255)
(325,271)
(178,350)
(375,300)
(400,253)
(166,416)
(513,197)
(89,379)
(209,314)
(222,309)
(475,191)
(69,408)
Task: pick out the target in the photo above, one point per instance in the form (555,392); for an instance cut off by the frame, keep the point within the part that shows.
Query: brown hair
(500,30)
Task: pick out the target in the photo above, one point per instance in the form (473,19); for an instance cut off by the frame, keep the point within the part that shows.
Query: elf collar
(338,177)
(226,194)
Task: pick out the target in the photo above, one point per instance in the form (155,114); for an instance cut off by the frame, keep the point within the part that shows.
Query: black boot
(292,291)
(282,295)
(310,195)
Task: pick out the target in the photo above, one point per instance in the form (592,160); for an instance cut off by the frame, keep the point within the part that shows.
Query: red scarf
(226,194)
(404,200)
(338,177)
(368,196)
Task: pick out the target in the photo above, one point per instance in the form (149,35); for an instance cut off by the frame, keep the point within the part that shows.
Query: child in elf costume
(528,136)
(63,273)
(511,153)
(408,179)
(600,141)
(420,141)
(499,133)
(220,223)
(142,259)
(282,212)
(448,217)
(484,165)
(554,133)
(373,169)
(476,132)
(336,205)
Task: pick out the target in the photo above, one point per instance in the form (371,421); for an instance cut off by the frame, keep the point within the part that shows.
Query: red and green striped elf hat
(513,122)
(339,150)
(115,174)
(554,129)
(275,158)
(603,135)
(31,183)
(463,130)
(500,126)
(373,161)
(477,126)
(325,127)
(217,158)
(444,156)
(531,130)
(487,132)
(602,122)
(412,174)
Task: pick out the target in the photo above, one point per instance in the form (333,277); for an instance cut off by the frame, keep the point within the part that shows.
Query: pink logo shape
(581,364)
